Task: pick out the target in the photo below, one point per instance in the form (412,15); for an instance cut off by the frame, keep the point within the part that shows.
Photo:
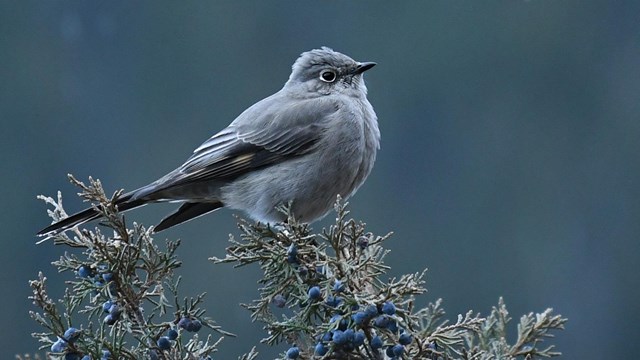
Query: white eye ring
(328,76)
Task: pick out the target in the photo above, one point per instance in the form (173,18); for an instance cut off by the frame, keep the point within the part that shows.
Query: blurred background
(510,140)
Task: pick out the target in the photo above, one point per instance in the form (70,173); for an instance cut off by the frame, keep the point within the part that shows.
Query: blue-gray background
(509,161)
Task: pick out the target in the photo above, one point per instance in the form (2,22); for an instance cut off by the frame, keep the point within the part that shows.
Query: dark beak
(363,66)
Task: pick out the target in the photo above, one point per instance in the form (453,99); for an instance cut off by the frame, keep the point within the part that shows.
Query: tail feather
(87,215)
(129,201)
(69,222)
(186,212)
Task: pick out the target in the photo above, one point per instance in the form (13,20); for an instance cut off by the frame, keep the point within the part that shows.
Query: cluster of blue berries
(190,325)
(99,277)
(69,337)
(165,342)
(349,335)
(343,337)
(113,312)
(383,319)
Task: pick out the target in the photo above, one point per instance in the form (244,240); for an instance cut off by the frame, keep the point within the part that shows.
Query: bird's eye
(328,76)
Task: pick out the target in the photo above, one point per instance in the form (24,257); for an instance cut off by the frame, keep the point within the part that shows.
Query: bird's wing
(254,140)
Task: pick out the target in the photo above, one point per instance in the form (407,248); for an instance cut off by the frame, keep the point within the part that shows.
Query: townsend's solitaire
(311,141)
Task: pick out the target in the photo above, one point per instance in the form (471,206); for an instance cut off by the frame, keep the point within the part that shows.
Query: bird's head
(325,72)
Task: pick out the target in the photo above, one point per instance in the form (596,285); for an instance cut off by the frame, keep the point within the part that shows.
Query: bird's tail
(188,211)
(124,203)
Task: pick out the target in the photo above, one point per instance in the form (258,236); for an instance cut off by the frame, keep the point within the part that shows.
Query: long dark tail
(124,203)
(186,212)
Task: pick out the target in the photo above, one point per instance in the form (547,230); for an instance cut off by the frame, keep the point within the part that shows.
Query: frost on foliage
(357,314)
(322,296)
(122,297)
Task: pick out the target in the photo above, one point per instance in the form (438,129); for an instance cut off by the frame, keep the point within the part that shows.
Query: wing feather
(270,137)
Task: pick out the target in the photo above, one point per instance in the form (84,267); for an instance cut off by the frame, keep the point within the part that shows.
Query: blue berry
(292,250)
(292,254)
(109,319)
(153,355)
(107,277)
(58,346)
(376,342)
(106,306)
(164,343)
(398,350)
(184,323)
(371,311)
(314,293)
(327,336)
(293,353)
(359,318)
(381,322)
(114,310)
(338,286)
(279,301)
(339,337)
(389,352)
(433,346)
(388,308)
(172,334)
(196,325)
(358,339)
(321,349)
(303,271)
(84,271)
(86,357)
(349,334)
(405,338)
(72,334)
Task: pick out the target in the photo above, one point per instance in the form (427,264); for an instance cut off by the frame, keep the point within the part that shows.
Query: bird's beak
(363,66)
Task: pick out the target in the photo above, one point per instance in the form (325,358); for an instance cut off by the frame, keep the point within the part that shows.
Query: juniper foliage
(325,294)
(122,295)
(294,260)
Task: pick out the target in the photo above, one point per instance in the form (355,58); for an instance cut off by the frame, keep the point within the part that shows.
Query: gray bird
(311,141)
